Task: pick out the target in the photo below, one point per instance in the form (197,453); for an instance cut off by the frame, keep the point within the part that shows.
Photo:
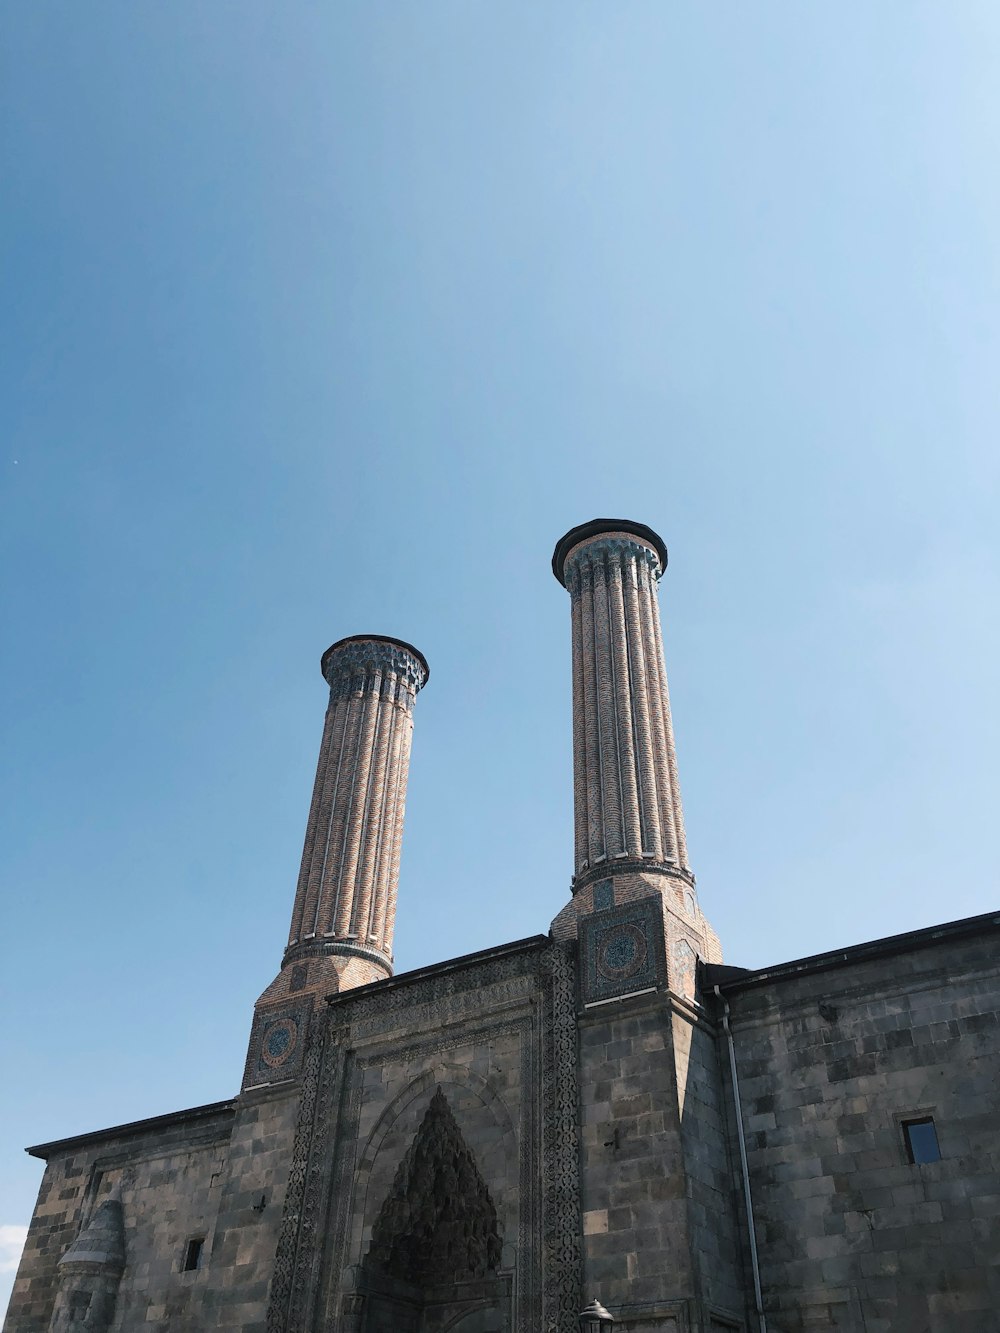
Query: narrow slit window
(193,1253)
(921,1140)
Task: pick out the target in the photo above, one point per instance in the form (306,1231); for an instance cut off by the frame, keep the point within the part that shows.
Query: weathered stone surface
(833,1058)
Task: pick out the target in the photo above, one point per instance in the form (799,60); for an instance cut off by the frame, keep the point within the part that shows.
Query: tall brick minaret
(345,903)
(629,825)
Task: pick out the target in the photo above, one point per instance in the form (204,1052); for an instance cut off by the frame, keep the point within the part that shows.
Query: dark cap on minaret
(594,528)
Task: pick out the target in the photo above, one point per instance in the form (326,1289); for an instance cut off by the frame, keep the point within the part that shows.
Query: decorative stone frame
(634,928)
(313,1282)
(292,1016)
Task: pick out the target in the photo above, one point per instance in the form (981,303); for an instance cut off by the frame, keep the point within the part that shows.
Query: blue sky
(326,319)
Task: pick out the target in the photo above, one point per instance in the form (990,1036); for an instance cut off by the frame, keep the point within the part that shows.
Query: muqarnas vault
(602,1111)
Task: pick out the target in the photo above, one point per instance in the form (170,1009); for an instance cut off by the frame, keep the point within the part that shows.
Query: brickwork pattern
(627,791)
(345,901)
(685,927)
(629,824)
(322,974)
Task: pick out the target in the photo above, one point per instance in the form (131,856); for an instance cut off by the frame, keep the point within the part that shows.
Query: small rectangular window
(921,1140)
(192,1255)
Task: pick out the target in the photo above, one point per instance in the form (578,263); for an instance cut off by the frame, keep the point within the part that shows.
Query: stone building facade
(485,1145)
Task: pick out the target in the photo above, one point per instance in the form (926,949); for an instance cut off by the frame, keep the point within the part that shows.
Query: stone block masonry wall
(656,1190)
(710,1164)
(220,1180)
(171,1177)
(851,1233)
(250,1206)
(322,975)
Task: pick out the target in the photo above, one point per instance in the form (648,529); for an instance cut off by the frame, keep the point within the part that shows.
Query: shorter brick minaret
(345,903)
(629,825)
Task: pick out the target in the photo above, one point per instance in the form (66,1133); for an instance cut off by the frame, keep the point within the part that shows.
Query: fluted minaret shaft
(346,895)
(627,797)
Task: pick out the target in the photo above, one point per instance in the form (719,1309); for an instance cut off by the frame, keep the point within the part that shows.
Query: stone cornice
(324,948)
(631,866)
(224,1111)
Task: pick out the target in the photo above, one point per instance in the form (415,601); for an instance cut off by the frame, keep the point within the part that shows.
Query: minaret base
(687,934)
(285,1013)
(318,973)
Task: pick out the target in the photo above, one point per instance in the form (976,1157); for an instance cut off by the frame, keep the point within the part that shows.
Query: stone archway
(434,1258)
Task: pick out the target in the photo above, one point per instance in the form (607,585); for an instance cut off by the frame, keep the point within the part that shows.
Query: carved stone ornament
(438,1224)
(385,668)
(604,551)
(561,1152)
(312,1283)
(622,950)
(277,1042)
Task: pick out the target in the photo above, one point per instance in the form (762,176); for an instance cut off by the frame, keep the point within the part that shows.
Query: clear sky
(320,319)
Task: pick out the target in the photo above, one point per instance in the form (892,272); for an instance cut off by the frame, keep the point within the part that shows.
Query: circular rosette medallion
(621,953)
(279,1042)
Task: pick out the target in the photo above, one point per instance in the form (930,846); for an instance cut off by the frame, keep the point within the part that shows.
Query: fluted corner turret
(345,902)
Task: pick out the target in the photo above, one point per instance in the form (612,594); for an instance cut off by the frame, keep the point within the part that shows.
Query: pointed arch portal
(434,1260)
